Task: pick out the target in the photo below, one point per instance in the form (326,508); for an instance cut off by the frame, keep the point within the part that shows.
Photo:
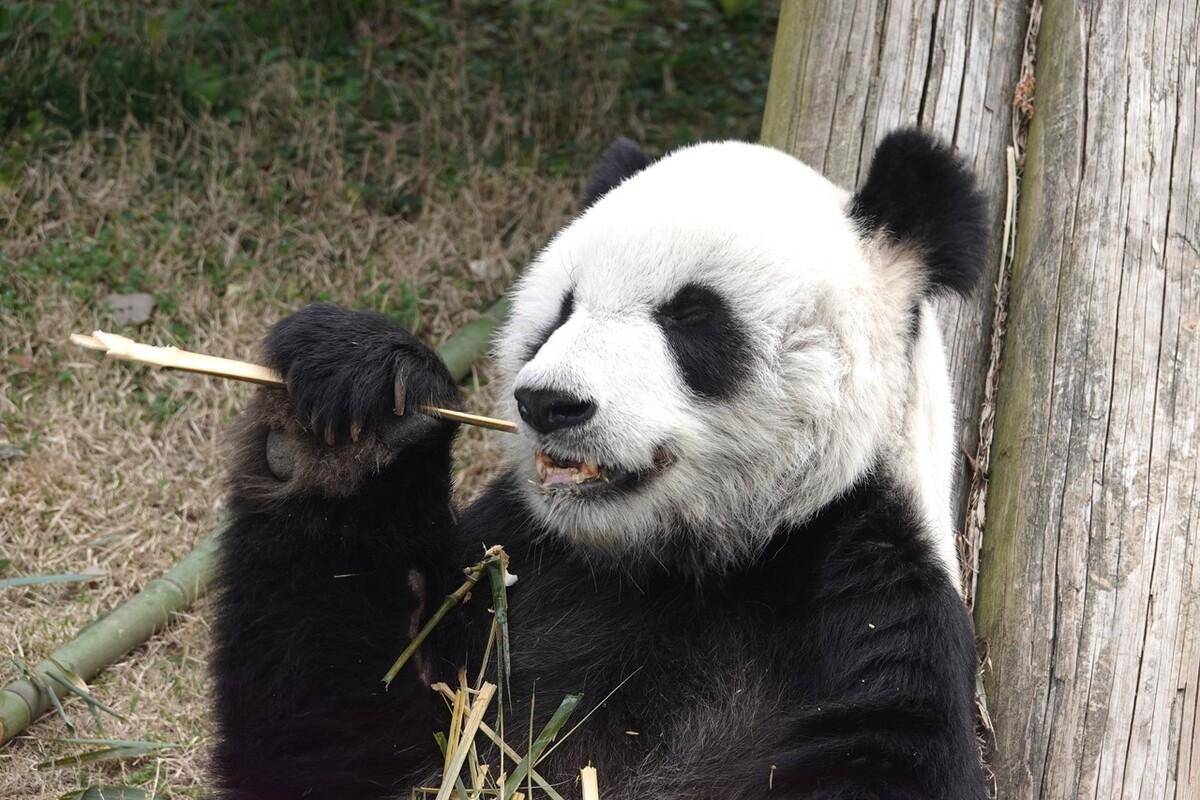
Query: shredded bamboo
(590,783)
(467,737)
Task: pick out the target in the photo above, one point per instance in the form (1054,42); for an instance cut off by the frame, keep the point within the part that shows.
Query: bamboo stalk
(459,595)
(125,349)
(122,348)
(460,352)
(130,624)
(108,638)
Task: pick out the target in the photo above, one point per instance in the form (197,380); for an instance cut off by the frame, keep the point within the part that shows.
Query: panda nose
(546,410)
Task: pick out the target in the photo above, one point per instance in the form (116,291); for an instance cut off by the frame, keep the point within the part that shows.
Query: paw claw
(400,396)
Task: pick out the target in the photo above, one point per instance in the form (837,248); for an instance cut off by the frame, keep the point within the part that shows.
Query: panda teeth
(565,472)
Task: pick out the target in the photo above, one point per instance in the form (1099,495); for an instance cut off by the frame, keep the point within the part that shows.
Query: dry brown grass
(123,465)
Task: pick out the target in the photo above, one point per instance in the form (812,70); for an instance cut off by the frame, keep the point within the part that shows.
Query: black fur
(917,192)
(341,368)
(708,343)
(314,586)
(621,160)
(564,313)
(839,664)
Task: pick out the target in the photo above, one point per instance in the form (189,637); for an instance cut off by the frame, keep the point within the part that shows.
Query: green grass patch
(686,69)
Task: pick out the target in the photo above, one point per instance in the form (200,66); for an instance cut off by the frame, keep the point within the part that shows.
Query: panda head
(724,342)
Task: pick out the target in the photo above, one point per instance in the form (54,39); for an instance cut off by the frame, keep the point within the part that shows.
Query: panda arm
(332,559)
(892,712)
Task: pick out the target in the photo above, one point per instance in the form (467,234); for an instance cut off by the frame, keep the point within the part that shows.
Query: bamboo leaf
(107,793)
(588,715)
(129,750)
(43,686)
(76,685)
(104,742)
(557,720)
(496,572)
(54,701)
(470,727)
(62,577)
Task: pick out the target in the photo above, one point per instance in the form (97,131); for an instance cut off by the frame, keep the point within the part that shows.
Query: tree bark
(846,74)
(1089,593)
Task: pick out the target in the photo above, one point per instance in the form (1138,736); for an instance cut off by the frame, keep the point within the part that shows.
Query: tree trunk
(1089,593)
(845,74)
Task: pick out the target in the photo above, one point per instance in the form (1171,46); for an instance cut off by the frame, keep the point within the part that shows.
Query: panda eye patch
(690,306)
(710,344)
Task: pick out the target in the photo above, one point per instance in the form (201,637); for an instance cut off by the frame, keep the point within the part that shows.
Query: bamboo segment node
(122,348)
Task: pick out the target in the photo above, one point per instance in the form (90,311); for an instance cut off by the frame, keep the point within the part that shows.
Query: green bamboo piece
(557,720)
(130,624)
(453,599)
(108,638)
(463,349)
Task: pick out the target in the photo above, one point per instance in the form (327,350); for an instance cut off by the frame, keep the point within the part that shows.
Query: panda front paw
(342,368)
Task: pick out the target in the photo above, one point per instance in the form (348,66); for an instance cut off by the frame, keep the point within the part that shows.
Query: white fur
(831,385)
(926,457)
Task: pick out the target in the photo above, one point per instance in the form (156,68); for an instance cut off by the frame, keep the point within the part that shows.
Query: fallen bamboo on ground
(108,638)
(130,624)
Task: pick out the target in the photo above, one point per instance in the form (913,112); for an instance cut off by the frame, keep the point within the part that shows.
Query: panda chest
(653,670)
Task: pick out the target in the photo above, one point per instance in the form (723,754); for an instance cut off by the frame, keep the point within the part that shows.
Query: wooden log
(845,74)
(1089,593)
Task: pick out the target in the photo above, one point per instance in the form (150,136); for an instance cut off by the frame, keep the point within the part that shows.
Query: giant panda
(728,503)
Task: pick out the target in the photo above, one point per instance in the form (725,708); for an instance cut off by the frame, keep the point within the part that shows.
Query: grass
(237,160)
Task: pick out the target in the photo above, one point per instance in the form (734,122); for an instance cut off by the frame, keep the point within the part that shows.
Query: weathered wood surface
(845,74)
(1089,591)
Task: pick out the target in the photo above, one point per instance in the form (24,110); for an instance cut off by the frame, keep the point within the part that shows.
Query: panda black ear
(918,192)
(621,160)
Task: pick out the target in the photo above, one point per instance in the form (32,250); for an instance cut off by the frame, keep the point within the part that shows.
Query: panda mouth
(559,473)
(556,472)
